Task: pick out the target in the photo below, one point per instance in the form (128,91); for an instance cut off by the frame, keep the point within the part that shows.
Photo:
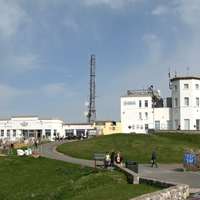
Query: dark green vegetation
(169,147)
(41,178)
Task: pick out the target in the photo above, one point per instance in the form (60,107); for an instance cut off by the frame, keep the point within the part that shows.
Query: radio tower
(92,110)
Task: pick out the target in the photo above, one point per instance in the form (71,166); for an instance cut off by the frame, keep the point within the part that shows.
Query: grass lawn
(42,178)
(169,147)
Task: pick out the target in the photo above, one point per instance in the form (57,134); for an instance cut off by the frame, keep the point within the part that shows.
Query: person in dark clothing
(154,159)
(112,158)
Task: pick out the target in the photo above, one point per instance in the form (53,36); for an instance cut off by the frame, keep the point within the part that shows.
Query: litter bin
(132,165)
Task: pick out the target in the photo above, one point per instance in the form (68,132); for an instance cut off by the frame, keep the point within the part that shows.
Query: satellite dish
(156,93)
(86,103)
(86,113)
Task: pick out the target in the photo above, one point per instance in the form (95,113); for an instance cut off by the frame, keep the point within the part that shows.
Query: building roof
(138,95)
(185,78)
(78,123)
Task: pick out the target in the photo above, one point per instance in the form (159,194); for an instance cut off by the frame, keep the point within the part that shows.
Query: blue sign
(125,103)
(189,158)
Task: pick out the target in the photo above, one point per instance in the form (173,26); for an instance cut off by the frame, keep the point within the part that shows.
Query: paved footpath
(172,173)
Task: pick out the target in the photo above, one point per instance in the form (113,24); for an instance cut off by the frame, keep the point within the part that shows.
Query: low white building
(142,110)
(34,127)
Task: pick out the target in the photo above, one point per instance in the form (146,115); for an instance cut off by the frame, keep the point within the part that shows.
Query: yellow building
(106,127)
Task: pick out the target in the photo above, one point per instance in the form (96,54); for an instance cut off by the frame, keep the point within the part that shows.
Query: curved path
(172,173)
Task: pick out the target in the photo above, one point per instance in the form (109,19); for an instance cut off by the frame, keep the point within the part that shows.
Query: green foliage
(169,147)
(41,178)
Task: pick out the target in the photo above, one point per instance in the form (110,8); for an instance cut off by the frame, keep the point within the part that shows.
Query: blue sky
(45,46)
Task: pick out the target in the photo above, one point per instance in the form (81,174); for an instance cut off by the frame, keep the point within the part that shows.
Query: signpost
(99,156)
(189,158)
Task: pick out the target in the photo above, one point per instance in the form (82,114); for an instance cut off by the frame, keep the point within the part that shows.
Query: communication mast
(91,115)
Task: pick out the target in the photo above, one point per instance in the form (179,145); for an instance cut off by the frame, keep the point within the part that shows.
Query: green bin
(132,165)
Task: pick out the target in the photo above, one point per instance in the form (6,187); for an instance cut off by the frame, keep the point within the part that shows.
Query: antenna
(176,74)
(92,111)
(188,68)
(170,85)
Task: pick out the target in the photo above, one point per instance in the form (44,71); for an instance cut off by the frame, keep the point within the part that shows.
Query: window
(140,115)
(8,133)
(157,125)
(2,133)
(146,103)
(48,132)
(175,87)
(54,132)
(176,124)
(169,125)
(196,86)
(186,86)
(197,101)
(176,102)
(69,132)
(31,133)
(14,133)
(146,127)
(186,101)
(140,103)
(146,115)
(187,124)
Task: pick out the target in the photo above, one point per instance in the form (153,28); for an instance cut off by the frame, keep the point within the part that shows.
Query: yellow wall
(108,128)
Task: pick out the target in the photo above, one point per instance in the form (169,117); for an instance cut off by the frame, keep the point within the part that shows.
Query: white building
(142,110)
(33,127)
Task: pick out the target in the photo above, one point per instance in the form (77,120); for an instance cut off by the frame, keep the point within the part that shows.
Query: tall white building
(185,103)
(142,110)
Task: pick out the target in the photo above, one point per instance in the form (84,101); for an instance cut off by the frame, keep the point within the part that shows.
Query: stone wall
(179,131)
(173,191)
(192,166)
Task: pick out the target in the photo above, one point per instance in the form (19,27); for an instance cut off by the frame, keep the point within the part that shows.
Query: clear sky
(45,46)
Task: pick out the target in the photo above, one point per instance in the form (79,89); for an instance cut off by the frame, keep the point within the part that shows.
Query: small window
(140,103)
(175,87)
(196,86)
(14,133)
(186,101)
(2,133)
(197,101)
(146,103)
(176,102)
(146,115)
(140,115)
(186,86)
(8,133)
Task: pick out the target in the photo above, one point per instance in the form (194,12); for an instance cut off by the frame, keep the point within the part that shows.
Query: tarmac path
(171,173)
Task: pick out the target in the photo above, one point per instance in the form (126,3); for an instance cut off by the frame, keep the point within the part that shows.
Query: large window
(186,86)
(197,101)
(196,86)
(186,100)
(146,103)
(187,124)
(2,133)
(69,132)
(14,133)
(48,132)
(175,87)
(176,123)
(31,133)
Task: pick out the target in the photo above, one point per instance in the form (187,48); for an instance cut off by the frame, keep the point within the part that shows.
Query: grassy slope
(168,146)
(30,178)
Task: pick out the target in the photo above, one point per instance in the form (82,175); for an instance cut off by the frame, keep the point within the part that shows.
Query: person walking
(112,158)
(107,159)
(154,159)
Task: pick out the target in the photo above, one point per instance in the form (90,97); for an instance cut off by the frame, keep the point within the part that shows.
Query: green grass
(42,178)
(169,147)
